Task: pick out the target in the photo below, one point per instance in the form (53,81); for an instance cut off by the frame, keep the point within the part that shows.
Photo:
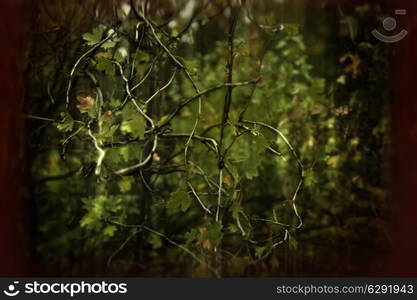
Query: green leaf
(293,243)
(138,123)
(96,209)
(214,233)
(121,54)
(236,209)
(108,130)
(162,120)
(341,80)
(251,168)
(114,102)
(179,199)
(186,203)
(104,64)
(125,185)
(251,153)
(259,251)
(155,241)
(87,220)
(191,235)
(135,126)
(114,156)
(94,37)
(109,230)
(141,57)
(192,65)
(67,124)
(110,43)
(232,228)
(131,152)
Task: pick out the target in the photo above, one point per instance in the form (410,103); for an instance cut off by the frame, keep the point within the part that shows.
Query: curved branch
(299,163)
(71,75)
(185,249)
(131,169)
(204,92)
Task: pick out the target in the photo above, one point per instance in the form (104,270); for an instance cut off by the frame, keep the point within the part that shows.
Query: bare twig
(161,89)
(71,75)
(121,247)
(299,163)
(101,152)
(198,199)
(204,92)
(185,249)
(219,196)
(131,169)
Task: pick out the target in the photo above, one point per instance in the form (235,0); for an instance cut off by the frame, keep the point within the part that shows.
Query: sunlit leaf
(125,184)
(162,120)
(67,124)
(93,37)
(109,230)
